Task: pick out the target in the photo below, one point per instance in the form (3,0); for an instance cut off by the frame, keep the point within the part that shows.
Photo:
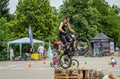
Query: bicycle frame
(73,44)
(70,49)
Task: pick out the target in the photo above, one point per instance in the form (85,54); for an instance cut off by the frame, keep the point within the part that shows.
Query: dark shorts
(64,38)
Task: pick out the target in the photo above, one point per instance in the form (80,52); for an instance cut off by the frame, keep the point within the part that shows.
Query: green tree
(3,39)
(109,19)
(4,10)
(38,14)
(55,23)
(91,17)
(84,17)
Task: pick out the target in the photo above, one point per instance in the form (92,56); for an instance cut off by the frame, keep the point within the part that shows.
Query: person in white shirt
(113,61)
(41,51)
(11,53)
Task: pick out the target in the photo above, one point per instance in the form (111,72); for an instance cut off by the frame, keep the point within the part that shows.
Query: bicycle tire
(65,61)
(56,62)
(83,45)
(75,63)
(57,65)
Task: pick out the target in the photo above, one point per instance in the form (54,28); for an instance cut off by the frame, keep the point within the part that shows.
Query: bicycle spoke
(65,61)
(83,45)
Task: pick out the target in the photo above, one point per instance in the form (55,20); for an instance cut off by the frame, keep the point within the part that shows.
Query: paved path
(39,70)
(101,63)
(21,70)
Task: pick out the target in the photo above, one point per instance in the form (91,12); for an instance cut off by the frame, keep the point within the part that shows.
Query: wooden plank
(67,76)
(78,74)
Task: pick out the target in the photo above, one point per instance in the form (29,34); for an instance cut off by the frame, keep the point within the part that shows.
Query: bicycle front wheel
(65,61)
(83,45)
(75,63)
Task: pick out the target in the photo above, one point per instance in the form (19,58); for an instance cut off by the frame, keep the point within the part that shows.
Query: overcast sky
(55,3)
(13,4)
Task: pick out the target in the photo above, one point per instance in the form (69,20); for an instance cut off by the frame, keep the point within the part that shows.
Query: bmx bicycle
(56,62)
(76,46)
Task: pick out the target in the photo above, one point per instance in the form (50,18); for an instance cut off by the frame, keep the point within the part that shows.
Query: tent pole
(8,48)
(20,50)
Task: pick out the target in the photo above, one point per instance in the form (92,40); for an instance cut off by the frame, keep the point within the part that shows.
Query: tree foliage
(4,10)
(109,19)
(4,18)
(3,39)
(83,16)
(38,14)
(89,17)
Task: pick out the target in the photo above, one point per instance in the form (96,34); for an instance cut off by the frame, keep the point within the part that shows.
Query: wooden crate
(66,74)
(77,74)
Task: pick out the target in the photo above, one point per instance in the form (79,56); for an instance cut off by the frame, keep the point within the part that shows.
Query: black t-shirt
(64,27)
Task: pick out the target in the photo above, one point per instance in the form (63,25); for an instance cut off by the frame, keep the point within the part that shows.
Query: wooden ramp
(78,74)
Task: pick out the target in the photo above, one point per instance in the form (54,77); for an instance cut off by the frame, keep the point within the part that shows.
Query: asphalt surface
(41,70)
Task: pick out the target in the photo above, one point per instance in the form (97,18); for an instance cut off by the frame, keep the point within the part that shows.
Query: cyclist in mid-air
(65,39)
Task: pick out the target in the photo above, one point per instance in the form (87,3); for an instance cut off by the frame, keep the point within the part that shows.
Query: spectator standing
(113,61)
(41,51)
(30,50)
(11,53)
(45,52)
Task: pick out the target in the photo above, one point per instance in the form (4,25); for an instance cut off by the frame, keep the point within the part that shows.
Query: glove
(64,33)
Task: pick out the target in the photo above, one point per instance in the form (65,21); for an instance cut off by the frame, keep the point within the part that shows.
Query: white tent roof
(25,40)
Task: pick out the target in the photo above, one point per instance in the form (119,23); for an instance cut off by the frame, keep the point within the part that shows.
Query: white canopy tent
(25,40)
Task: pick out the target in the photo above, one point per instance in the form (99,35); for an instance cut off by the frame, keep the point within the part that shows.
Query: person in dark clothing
(63,30)
(30,50)
(64,38)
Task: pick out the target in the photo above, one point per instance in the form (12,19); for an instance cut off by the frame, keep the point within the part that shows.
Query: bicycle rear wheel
(65,61)
(83,45)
